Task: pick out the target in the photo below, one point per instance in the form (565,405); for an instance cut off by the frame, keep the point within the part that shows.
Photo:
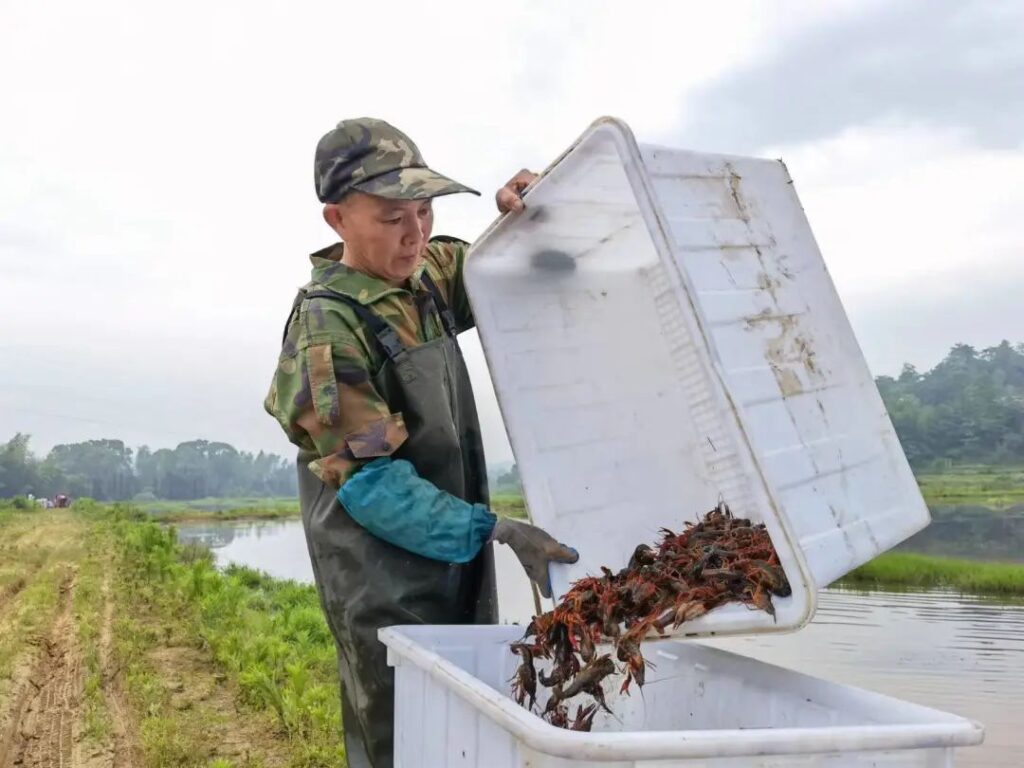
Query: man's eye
(393,221)
(425,212)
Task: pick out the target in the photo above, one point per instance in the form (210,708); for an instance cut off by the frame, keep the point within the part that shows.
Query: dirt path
(123,750)
(86,669)
(42,722)
(40,734)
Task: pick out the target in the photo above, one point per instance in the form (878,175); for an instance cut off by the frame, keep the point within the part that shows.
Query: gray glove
(534,548)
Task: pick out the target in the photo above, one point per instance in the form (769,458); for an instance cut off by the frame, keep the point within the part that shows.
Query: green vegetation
(108,469)
(972,484)
(508,505)
(967,409)
(184,665)
(180,664)
(237,508)
(88,601)
(267,637)
(216,504)
(905,569)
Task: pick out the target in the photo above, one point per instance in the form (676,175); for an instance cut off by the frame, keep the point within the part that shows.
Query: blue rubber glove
(390,500)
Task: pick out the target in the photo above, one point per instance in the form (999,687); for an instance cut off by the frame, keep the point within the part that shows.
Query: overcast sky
(157,207)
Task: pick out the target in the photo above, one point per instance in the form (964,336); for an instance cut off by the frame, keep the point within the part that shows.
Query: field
(909,570)
(988,486)
(977,514)
(120,648)
(219,508)
(970,486)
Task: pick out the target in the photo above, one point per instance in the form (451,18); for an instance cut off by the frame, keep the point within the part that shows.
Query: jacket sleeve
(323,396)
(390,500)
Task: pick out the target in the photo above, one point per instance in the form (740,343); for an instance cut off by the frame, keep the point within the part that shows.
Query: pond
(957,653)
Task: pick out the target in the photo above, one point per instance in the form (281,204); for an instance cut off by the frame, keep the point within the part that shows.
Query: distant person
(372,388)
(61,501)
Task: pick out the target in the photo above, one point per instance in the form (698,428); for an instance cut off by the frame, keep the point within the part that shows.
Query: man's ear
(332,215)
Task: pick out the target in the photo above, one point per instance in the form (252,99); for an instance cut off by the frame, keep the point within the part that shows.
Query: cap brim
(412,184)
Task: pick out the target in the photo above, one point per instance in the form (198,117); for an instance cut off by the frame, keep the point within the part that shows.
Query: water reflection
(277,547)
(956,653)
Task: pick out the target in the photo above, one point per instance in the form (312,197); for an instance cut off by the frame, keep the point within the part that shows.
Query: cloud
(905,206)
(918,327)
(156,203)
(946,63)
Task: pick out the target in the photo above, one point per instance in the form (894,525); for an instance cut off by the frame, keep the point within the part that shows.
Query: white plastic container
(701,707)
(663,334)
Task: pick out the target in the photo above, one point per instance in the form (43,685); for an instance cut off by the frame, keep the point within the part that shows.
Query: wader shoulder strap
(446,315)
(384,333)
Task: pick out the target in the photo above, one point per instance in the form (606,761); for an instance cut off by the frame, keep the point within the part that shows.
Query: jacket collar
(329,272)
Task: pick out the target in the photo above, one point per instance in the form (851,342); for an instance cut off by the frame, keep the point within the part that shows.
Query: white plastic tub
(663,334)
(700,707)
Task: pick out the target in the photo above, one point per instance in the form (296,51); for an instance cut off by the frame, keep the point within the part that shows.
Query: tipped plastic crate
(663,335)
(701,708)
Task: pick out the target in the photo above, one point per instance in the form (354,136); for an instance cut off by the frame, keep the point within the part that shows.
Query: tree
(19,469)
(107,470)
(510,481)
(102,469)
(969,407)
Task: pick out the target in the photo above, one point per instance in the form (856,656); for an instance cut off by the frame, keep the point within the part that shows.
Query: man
(372,388)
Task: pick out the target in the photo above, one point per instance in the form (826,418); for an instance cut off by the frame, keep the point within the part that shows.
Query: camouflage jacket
(322,392)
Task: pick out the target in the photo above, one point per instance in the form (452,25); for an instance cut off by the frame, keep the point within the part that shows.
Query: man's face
(383,237)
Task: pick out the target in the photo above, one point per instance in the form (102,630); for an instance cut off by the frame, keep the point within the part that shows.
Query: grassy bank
(228,508)
(158,659)
(507,504)
(916,571)
(982,485)
(150,655)
(227,515)
(266,638)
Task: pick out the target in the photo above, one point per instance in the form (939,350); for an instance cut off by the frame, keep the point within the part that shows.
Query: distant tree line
(109,470)
(968,408)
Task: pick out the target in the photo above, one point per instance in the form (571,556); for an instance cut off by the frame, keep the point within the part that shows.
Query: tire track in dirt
(40,733)
(113,694)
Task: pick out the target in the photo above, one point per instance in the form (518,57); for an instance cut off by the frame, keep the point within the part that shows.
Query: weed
(908,569)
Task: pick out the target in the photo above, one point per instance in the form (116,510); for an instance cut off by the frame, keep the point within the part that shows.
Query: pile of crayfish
(719,560)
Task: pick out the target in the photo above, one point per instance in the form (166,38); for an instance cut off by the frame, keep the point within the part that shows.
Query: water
(279,548)
(955,653)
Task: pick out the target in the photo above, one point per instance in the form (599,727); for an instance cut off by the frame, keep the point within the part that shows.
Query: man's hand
(508,197)
(535,550)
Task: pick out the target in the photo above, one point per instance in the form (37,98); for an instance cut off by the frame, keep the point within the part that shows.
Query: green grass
(268,636)
(36,556)
(244,513)
(911,570)
(88,609)
(217,504)
(238,508)
(990,486)
(34,612)
(508,505)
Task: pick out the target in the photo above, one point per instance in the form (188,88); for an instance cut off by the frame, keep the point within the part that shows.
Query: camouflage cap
(373,156)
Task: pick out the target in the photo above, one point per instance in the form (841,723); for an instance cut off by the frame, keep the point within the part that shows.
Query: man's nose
(415,231)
